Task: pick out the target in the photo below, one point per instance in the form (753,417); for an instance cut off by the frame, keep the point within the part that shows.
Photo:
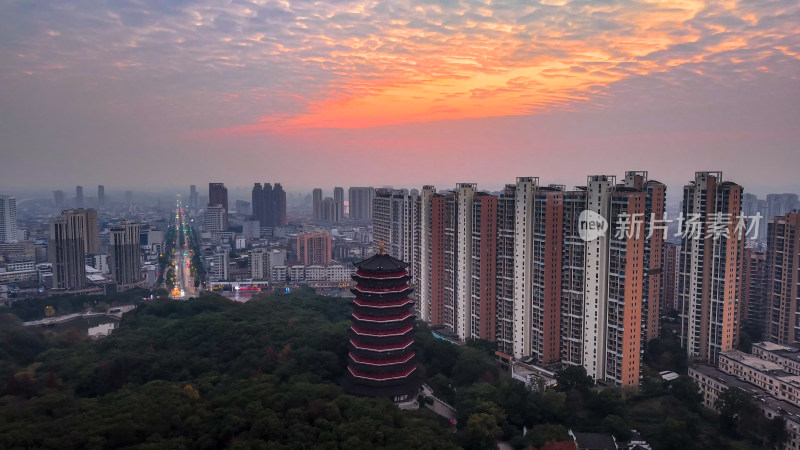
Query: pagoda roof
(381,263)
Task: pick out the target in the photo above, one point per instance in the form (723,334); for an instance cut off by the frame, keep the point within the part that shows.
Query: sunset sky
(336,92)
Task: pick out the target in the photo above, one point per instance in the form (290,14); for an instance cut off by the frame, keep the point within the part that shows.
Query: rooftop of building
(754,362)
(728,380)
(761,396)
(785,351)
(381,262)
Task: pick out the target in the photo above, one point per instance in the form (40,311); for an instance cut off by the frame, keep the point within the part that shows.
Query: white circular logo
(591,225)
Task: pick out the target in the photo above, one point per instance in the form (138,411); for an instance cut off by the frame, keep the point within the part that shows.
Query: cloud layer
(86,76)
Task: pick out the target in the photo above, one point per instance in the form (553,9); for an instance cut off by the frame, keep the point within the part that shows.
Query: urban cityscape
(345,225)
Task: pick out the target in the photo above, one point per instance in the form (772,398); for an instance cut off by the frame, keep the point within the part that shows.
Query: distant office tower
(125,253)
(101,195)
(8,219)
(317,203)
(781,204)
(262,202)
(215,218)
(218,195)
(314,249)
(58,199)
(360,202)
(243,207)
(393,215)
(79,197)
(506,208)
(279,205)
(338,198)
(66,250)
(193,198)
(129,197)
(708,275)
(753,297)
(783,265)
(330,211)
(669,297)
(429,255)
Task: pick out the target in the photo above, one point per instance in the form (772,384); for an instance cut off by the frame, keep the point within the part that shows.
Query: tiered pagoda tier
(380,362)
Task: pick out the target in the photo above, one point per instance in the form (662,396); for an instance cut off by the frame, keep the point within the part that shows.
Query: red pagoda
(380,362)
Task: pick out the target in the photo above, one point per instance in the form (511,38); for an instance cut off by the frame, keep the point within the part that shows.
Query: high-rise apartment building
(754,287)
(314,249)
(8,219)
(393,223)
(482,299)
(330,211)
(79,203)
(602,278)
(504,320)
(92,240)
(655,205)
(544,272)
(101,196)
(573,276)
(269,204)
(218,195)
(67,250)
(215,218)
(537,270)
(429,255)
(708,282)
(781,204)
(462,311)
(360,202)
(669,296)
(783,279)
(125,253)
(338,199)
(316,203)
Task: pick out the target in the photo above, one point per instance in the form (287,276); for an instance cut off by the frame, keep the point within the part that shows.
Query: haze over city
(163,94)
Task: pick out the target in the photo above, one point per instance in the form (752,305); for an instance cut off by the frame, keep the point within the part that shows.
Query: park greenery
(34,308)
(211,373)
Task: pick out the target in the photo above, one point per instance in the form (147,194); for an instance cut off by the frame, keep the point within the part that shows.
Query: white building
(260,268)
(315,273)
(240,242)
(217,266)
(215,218)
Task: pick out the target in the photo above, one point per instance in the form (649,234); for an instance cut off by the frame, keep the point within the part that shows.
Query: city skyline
(458,92)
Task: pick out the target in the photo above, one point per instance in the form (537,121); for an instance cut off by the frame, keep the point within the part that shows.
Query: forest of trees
(211,373)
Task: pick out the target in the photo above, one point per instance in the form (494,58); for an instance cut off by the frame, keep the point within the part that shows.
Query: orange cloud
(485,66)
